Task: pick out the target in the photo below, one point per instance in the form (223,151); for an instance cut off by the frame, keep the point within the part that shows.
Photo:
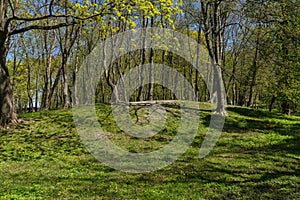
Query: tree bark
(218,87)
(7,111)
(29,81)
(253,80)
(272,103)
(66,97)
(151,55)
(47,86)
(213,25)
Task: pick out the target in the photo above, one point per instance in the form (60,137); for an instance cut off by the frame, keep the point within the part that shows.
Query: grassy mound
(257,157)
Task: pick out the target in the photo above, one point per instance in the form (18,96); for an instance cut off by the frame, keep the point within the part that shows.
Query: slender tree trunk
(75,70)
(197,63)
(184,83)
(234,93)
(151,55)
(56,81)
(209,83)
(150,88)
(29,83)
(66,97)
(253,80)
(36,91)
(175,79)
(163,75)
(272,103)
(47,86)
(143,59)
(232,79)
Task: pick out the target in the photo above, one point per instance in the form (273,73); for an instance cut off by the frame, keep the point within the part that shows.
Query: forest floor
(256,157)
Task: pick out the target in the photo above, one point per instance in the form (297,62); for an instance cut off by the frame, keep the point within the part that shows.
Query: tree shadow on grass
(263,139)
(210,174)
(261,123)
(252,183)
(249,112)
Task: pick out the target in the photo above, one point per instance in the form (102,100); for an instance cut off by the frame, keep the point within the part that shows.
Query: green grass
(257,157)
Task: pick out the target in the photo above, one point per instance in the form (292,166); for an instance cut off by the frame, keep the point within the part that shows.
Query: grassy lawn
(257,157)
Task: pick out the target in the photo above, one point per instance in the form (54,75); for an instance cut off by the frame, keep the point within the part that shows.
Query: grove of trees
(253,46)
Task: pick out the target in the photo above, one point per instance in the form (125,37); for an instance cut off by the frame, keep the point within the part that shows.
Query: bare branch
(50,6)
(51,27)
(77,19)
(12,8)
(57,16)
(40,27)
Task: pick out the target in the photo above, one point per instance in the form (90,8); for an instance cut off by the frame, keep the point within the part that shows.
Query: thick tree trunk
(7,112)
(218,87)
(214,19)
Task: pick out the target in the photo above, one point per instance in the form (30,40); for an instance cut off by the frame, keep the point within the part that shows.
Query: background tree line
(253,45)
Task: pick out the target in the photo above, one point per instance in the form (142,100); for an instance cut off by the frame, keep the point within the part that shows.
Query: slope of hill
(257,157)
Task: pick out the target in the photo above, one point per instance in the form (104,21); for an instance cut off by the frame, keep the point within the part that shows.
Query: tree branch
(50,6)
(11,7)
(57,16)
(40,27)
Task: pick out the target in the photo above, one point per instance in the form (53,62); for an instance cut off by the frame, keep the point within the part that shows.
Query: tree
(214,22)
(15,18)
(278,28)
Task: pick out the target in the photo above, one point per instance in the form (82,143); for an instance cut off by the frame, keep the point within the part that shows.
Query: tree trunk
(213,22)
(150,85)
(143,60)
(253,80)
(36,92)
(197,63)
(163,75)
(232,79)
(272,103)
(218,87)
(29,83)
(151,55)
(234,98)
(47,87)
(56,81)
(66,97)
(7,112)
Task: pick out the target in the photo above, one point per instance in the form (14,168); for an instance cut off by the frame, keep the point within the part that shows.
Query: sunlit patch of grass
(257,157)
